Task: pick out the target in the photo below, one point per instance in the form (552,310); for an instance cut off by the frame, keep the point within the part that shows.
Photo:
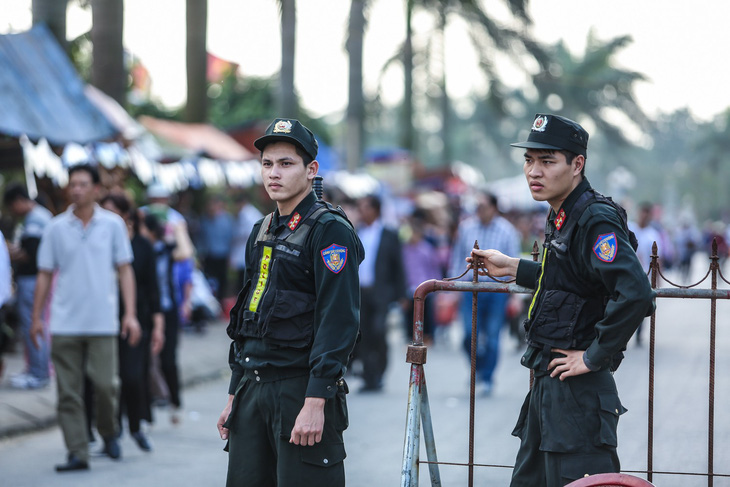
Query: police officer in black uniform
(293,327)
(590,296)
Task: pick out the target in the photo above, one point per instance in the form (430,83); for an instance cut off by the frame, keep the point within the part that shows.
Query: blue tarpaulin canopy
(42,96)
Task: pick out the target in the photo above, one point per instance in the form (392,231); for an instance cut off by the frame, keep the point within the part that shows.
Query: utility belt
(547,355)
(272,374)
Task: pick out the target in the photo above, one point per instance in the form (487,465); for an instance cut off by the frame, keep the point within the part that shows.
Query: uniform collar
(295,219)
(558,219)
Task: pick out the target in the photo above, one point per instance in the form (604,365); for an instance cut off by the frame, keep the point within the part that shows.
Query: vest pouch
(233,328)
(249,324)
(290,322)
(556,319)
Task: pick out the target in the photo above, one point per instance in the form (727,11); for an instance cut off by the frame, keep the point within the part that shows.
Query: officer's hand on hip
(569,365)
(310,422)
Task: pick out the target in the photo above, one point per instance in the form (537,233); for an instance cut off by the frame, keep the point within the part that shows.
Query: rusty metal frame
(419,416)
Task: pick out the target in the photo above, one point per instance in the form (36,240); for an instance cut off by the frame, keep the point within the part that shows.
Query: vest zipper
(539,282)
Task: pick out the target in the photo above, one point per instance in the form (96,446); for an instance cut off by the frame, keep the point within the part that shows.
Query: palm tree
(590,86)
(709,158)
(107,70)
(356,104)
(196,55)
(288,106)
(408,134)
(53,14)
(488,37)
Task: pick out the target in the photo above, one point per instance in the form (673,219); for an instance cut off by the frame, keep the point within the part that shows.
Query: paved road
(191,455)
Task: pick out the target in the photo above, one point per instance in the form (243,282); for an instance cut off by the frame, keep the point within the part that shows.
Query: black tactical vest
(277,303)
(569,305)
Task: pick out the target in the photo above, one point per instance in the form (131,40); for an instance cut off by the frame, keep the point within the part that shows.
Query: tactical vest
(277,303)
(567,304)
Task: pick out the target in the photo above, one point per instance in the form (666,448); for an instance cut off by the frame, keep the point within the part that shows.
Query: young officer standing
(293,327)
(590,296)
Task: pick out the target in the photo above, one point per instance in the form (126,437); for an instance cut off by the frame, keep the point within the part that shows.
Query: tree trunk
(445,106)
(288,106)
(107,69)
(196,56)
(355,108)
(408,134)
(53,14)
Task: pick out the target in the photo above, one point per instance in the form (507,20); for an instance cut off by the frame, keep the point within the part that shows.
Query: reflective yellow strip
(539,282)
(261,283)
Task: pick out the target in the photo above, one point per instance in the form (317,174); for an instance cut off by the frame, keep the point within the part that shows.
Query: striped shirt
(498,234)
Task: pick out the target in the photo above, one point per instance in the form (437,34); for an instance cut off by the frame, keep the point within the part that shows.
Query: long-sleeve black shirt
(630,293)
(336,313)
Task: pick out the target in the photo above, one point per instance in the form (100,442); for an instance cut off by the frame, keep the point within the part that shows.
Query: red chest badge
(294,221)
(560,219)
(335,257)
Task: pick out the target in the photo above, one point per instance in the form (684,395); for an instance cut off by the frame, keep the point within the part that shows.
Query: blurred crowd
(198,261)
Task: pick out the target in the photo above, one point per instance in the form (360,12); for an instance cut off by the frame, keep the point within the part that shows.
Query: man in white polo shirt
(85,248)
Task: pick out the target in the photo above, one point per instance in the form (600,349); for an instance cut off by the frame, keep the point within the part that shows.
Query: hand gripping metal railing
(419,414)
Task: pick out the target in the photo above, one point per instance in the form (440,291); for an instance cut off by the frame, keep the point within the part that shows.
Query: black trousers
(372,350)
(217,268)
(133,366)
(260,424)
(168,356)
(568,430)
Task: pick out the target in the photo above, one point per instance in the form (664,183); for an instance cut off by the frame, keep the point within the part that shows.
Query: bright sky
(676,44)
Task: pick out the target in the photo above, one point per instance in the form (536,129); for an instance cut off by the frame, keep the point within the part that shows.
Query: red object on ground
(610,480)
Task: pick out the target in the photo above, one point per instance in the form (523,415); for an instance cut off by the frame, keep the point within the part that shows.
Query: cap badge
(335,257)
(606,247)
(560,219)
(540,124)
(282,127)
(294,221)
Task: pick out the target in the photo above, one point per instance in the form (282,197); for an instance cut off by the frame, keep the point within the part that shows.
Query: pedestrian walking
(492,231)
(86,247)
(382,284)
(6,295)
(152,229)
(246,218)
(134,361)
(216,236)
(23,251)
(591,293)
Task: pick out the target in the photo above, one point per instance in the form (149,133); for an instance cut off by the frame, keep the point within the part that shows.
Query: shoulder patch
(335,257)
(606,247)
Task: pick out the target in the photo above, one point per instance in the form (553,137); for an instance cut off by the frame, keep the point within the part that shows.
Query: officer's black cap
(557,133)
(291,131)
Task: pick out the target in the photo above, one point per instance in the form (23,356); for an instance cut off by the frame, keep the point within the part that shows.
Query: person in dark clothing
(153,230)
(382,283)
(217,228)
(134,362)
(293,326)
(590,296)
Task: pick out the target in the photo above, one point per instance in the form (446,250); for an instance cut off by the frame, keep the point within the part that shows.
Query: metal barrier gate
(419,414)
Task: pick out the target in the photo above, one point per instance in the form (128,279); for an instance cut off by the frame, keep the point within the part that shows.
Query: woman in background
(134,362)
